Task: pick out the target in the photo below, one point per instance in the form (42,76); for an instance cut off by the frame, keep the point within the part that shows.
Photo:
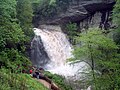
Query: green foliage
(14,60)
(95,39)
(24,15)
(11,35)
(46,9)
(14,32)
(11,81)
(59,80)
(108,81)
(7,9)
(71,31)
(116,12)
(10,31)
(116,19)
(101,54)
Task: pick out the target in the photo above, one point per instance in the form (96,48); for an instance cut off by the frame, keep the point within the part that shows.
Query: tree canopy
(12,33)
(100,52)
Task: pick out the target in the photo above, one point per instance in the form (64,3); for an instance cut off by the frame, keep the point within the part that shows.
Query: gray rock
(81,10)
(39,56)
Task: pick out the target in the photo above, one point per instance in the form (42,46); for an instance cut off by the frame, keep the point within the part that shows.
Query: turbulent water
(51,48)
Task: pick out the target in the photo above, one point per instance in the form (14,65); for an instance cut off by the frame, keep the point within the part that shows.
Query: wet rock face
(39,56)
(82,9)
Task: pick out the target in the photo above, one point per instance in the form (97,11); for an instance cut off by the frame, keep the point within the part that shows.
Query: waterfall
(51,49)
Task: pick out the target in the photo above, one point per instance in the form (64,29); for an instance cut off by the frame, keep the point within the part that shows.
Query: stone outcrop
(86,13)
(39,56)
(80,11)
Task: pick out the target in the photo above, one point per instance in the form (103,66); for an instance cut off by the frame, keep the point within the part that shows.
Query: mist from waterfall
(58,50)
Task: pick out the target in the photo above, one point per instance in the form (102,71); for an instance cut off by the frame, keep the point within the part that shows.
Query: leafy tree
(71,31)
(116,18)
(7,10)
(100,53)
(10,32)
(46,9)
(14,60)
(12,37)
(24,15)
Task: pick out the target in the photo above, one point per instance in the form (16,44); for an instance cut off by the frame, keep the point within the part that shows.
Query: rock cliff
(86,13)
(77,12)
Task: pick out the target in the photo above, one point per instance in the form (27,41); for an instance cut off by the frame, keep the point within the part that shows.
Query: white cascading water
(59,50)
